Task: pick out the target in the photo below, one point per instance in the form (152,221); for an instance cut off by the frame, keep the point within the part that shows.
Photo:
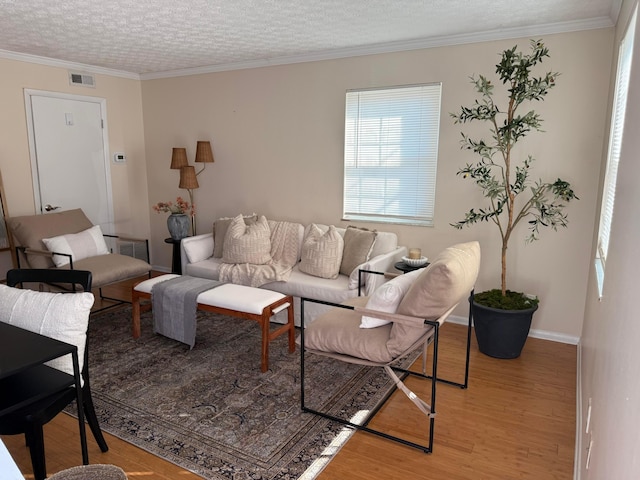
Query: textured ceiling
(152,36)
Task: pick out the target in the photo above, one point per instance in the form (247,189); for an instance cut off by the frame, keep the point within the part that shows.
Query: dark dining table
(25,379)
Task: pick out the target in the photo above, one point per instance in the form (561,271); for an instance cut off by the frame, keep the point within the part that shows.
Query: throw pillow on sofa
(247,243)
(322,252)
(220,228)
(358,243)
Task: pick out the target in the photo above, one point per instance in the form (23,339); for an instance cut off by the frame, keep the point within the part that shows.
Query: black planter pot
(501,333)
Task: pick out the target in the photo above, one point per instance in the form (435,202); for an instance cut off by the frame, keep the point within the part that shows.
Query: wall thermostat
(119,158)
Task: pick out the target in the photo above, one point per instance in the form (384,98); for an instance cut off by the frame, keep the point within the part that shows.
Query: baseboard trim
(534,333)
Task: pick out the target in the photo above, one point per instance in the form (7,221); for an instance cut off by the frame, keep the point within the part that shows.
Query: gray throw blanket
(174,306)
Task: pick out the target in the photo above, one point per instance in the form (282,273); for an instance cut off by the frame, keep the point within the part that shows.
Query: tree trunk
(504,269)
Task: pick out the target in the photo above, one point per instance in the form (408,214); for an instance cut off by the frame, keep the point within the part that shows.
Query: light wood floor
(516,421)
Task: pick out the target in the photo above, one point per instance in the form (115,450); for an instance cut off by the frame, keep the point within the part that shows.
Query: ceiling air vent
(82,79)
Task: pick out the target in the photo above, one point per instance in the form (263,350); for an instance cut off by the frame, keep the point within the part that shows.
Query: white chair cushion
(387,297)
(88,243)
(63,316)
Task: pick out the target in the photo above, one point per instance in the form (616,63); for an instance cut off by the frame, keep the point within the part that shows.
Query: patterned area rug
(210,410)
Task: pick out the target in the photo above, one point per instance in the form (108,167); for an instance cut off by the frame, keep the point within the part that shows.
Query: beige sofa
(204,256)
(68,239)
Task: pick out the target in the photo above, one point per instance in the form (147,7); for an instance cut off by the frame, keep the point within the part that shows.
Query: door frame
(28,94)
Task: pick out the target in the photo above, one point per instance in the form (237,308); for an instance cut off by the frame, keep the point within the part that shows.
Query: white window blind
(390,154)
(615,143)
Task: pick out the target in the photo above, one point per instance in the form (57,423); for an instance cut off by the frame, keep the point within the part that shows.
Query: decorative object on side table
(502,181)
(414,261)
(178,221)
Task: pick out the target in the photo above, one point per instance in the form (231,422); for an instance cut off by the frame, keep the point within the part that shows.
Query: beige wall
(277,134)
(124,122)
(610,356)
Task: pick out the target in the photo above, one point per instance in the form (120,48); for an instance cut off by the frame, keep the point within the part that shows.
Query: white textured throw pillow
(322,252)
(247,243)
(85,244)
(63,316)
(387,297)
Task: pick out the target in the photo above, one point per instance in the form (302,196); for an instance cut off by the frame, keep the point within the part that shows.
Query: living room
(277,138)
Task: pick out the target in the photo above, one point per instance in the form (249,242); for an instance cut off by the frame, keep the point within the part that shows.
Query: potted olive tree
(502,318)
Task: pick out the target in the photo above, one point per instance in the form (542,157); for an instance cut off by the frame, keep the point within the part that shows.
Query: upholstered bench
(229,299)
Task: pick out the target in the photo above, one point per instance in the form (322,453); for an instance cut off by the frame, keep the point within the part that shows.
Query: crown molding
(80,67)
(391,47)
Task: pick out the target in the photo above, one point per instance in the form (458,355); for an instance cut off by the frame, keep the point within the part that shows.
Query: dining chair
(57,313)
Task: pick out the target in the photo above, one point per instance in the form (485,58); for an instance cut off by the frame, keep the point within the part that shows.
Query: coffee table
(233,300)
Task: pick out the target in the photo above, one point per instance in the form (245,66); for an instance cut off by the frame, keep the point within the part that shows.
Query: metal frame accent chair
(400,317)
(68,240)
(63,318)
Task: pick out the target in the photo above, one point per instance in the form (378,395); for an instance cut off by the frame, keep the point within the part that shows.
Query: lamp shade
(203,152)
(188,178)
(179,158)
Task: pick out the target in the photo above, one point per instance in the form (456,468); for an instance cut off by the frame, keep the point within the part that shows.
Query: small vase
(178,225)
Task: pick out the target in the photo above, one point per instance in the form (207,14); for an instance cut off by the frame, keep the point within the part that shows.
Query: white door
(69,160)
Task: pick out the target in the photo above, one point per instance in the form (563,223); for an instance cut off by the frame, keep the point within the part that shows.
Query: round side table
(404,268)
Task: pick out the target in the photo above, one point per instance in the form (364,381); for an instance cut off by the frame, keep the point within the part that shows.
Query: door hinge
(102,123)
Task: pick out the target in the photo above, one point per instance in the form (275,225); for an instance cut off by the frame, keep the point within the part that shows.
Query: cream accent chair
(402,315)
(69,233)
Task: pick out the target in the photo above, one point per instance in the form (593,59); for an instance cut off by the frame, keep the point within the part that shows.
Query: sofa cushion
(29,230)
(321,254)
(358,244)
(220,228)
(247,243)
(441,285)
(63,316)
(387,297)
(87,243)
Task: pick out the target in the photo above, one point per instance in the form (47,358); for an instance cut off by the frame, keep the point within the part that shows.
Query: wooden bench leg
(135,313)
(136,308)
(265,324)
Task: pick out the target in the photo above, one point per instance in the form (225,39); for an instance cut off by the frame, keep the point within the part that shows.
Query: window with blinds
(625,53)
(390,154)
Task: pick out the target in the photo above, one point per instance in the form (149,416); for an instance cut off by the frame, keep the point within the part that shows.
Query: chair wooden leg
(35,439)
(92,420)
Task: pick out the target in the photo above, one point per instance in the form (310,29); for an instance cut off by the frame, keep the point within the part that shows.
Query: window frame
(391,154)
(616,135)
